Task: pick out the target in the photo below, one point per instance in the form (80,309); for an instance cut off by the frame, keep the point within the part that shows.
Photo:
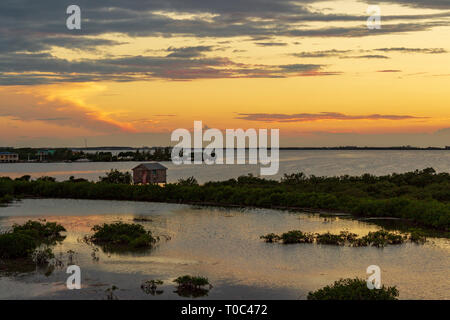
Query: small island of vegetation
(353,289)
(378,239)
(121,236)
(192,286)
(28,244)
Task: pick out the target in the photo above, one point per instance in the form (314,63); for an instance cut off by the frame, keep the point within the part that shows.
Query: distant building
(43,154)
(149,173)
(8,157)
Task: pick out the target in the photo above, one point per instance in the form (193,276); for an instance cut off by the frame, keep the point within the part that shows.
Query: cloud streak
(309,117)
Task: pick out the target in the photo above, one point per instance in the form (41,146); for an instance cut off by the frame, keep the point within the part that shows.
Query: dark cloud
(307,117)
(389,71)
(188,52)
(42,68)
(367,56)
(414,50)
(434,4)
(271,44)
(320,54)
(29,29)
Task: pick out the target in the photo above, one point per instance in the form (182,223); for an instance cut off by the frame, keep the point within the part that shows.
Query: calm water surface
(223,245)
(320,163)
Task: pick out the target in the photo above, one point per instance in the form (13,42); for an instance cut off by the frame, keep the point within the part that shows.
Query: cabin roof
(151,166)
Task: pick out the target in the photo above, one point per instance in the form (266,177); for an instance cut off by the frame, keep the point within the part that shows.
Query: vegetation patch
(192,286)
(377,239)
(27,245)
(41,231)
(380,239)
(122,235)
(296,236)
(421,196)
(5,199)
(336,239)
(353,289)
(151,287)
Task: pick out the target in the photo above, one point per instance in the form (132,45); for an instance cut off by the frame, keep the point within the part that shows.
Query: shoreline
(325,213)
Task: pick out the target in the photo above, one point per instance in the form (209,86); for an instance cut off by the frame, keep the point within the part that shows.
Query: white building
(8,157)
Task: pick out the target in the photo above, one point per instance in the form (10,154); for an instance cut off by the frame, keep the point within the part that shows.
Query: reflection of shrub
(132,236)
(192,286)
(42,256)
(110,293)
(353,289)
(271,237)
(151,287)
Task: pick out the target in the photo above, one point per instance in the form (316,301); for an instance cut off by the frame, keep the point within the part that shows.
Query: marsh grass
(353,289)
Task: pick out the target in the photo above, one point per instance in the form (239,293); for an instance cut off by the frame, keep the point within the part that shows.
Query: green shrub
(353,289)
(22,241)
(382,238)
(421,196)
(271,237)
(133,236)
(296,236)
(378,239)
(41,232)
(16,245)
(116,177)
(192,286)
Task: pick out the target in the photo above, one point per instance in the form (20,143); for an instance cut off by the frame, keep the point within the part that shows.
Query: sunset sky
(139,69)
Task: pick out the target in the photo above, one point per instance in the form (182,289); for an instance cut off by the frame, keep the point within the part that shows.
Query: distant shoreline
(281,148)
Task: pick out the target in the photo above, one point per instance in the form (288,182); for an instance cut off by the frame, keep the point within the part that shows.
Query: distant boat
(83,160)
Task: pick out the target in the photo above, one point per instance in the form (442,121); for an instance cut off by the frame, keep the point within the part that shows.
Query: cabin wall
(144,176)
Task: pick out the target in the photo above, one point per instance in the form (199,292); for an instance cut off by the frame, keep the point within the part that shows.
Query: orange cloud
(46,104)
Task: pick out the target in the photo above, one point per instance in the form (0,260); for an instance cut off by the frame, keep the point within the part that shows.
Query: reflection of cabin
(146,173)
(9,157)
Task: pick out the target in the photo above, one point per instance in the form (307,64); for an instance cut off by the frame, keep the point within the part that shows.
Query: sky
(137,70)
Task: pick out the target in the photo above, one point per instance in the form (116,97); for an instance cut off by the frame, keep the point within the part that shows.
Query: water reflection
(222,245)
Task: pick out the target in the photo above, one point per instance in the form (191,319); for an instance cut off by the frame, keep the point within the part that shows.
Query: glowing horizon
(310,68)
